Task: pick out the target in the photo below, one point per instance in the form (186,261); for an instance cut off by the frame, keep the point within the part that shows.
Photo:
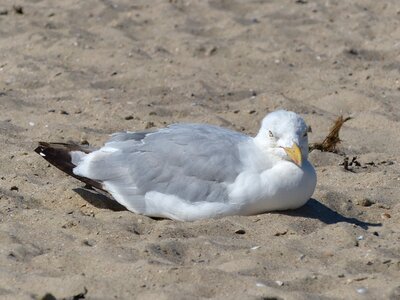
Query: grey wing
(129,136)
(191,161)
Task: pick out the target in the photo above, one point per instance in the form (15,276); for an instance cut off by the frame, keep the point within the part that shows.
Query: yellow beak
(294,153)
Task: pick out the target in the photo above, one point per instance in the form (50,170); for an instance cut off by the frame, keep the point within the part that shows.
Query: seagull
(189,172)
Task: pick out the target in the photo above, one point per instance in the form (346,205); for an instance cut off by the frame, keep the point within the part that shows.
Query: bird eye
(270,133)
(305,134)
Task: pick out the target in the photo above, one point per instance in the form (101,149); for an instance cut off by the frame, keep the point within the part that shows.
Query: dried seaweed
(332,139)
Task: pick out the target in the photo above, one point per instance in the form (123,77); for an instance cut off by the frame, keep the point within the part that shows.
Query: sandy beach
(81,70)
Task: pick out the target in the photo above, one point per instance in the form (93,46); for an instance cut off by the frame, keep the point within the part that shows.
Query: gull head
(284,133)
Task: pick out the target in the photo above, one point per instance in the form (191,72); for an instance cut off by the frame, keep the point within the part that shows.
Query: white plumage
(193,171)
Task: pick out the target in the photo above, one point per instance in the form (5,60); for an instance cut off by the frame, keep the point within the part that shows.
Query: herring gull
(196,171)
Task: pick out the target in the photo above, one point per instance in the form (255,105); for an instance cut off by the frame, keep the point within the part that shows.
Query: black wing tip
(65,147)
(58,154)
(41,147)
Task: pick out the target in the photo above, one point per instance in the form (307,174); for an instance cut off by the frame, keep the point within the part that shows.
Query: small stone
(360,238)
(18,9)
(260,284)
(361,290)
(48,296)
(64,112)
(240,231)
(69,224)
(149,125)
(365,202)
(14,188)
(385,216)
(280,283)
(280,233)
(89,243)
(130,117)
(387,261)
(353,52)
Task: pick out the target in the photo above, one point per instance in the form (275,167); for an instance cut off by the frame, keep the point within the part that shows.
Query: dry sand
(80,70)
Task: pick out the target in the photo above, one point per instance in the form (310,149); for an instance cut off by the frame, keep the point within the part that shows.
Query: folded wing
(191,161)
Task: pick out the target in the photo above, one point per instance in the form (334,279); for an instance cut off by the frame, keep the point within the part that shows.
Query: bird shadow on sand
(98,199)
(317,210)
(312,209)
(102,200)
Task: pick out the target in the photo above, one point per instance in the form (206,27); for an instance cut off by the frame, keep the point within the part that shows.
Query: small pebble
(14,188)
(18,9)
(361,290)
(280,283)
(31,124)
(260,284)
(89,243)
(360,237)
(255,247)
(387,261)
(365,202)
(385,216)
(280,233)
(149,125)
(240,231)
(130,117)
